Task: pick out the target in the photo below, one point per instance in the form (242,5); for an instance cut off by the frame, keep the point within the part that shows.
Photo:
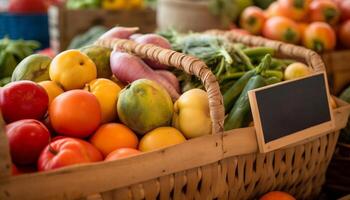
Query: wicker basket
(224,165)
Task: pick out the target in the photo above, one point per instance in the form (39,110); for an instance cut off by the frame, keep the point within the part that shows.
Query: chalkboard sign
(291,111)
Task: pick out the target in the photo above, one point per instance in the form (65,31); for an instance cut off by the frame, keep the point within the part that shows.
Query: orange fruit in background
(52,89)
(112,136)
(75,113)
(277,195)
(282,29)
(319,36)
(253,19)
(294,9)
(325,11)
(122,153)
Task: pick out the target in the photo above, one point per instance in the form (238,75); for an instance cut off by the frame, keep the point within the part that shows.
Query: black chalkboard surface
(291,111)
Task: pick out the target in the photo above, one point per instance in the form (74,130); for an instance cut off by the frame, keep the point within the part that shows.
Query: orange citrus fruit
(277,195)
(52,89)
(112,136)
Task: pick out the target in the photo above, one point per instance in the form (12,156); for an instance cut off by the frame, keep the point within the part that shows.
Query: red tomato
(324,11)
(344,34)
(252,19)
(121,153)
(23,100)
(28,6)
(27,138)
(75,113)
(67,151)
(319,36)
(294,9)
(281,28)
(344,7)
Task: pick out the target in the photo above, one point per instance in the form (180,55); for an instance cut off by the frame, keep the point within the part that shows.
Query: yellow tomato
(107,93)
(135,4)
(72,69)
(160,138)
(114,4)
(52,89)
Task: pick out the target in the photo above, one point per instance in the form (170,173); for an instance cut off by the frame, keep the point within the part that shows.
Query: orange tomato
(302,27)
(325,11)
(294,9)
(319,36)
(112,136)
(122,153)
(277,195)
(344,34)
(253,19)
(274,10)
(281,28)
(75,113)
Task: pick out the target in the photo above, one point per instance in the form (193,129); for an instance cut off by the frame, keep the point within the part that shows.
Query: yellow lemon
(107,93)
(72,69)
(52,89)
(160,138)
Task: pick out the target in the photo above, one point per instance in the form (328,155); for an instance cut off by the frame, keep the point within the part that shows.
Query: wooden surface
(65,24)
(338,69)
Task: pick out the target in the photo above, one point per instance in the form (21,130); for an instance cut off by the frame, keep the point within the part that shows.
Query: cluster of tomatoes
(317,24)
(39,142)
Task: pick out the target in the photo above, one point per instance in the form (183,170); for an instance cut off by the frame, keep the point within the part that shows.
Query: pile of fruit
(94,104)
(106,4)
(316,24)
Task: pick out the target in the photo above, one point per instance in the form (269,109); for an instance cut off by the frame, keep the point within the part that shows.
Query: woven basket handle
(189,64)
(313,60)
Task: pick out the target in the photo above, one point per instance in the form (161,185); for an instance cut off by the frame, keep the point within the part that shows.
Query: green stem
(258,51)
(245,59)
(221,68)
(232,76)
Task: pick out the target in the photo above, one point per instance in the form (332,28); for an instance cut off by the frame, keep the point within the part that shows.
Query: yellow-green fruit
(145,105)
(34,68)
(191,114)
(160,138)
(296,70)
(106,92)
(100,56)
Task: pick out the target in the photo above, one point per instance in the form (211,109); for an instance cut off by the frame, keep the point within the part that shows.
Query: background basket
(224,165)
(25,26)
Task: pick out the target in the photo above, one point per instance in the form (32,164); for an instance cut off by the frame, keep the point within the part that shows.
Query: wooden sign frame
(309,133)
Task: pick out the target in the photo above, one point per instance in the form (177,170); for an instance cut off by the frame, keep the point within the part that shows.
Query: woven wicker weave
(223,165)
